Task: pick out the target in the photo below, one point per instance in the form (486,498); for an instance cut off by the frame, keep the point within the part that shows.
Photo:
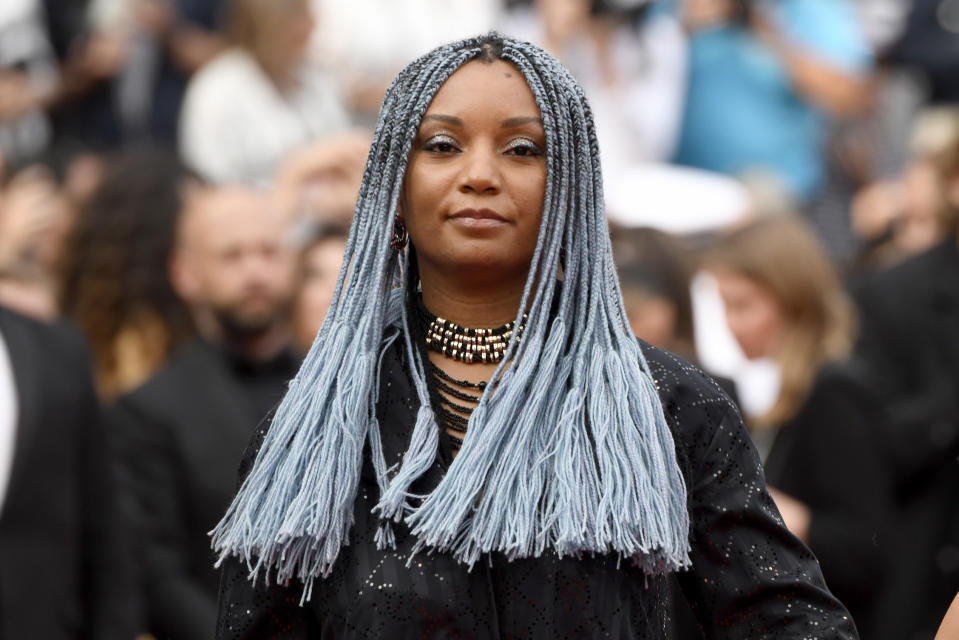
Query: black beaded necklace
(466,344)
(454,400)
(453,415)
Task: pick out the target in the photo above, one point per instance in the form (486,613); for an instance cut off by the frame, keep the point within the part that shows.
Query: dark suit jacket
(62,573)
(181,437)
(910,344)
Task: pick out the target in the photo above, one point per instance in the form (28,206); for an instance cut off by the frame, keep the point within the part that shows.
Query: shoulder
(837,393)
(58,342)
(218,82)
(830,29)
(912,278)
(230,66)
(167,389)
(694,404)
(677,379)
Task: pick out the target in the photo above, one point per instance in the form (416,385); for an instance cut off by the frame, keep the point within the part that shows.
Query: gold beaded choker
(466,344)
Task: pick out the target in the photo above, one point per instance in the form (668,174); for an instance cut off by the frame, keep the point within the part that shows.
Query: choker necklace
(466,344)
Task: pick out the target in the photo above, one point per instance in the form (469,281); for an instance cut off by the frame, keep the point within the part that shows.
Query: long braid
(570,451)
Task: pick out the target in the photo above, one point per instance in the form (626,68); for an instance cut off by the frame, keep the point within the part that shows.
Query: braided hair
(569,452)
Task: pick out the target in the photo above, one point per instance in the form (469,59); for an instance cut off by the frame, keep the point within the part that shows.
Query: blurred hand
(102,56)
(796,514)
(193,47)
(17,95)
(156,16)
(875,208)
(33,221)
(323,180)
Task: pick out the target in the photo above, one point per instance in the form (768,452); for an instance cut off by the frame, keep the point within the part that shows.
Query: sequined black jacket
(750,578)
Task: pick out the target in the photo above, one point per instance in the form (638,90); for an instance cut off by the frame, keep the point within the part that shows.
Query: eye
(440,144)
(524,148)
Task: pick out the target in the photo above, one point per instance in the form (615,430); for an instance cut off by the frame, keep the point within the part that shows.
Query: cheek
(758,328)
(420,194)
(530,198)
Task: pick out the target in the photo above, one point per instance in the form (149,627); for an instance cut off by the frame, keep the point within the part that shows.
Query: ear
(952,190)
(183,277)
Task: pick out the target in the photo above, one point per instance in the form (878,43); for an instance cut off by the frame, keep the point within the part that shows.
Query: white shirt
(8,419)
(236,127)
(757,381)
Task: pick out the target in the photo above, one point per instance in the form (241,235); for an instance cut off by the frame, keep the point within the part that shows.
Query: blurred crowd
(177,179)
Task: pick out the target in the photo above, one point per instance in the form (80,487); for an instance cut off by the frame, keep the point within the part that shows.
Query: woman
(904,217)
(114,281)
(784,302)
(519,478)
(256,102)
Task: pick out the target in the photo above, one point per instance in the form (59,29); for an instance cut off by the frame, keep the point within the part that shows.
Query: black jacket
(828,457)
(751,578)
(910,347)
(179,436)
(64,573)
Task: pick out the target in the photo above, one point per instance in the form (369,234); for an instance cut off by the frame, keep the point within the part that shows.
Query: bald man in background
(182,434)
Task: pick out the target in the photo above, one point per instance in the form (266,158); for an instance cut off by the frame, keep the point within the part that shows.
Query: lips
(478,214)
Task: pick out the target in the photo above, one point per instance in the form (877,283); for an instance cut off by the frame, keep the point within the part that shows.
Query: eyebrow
(509,123)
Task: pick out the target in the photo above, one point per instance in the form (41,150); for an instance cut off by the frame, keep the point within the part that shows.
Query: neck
(470,303)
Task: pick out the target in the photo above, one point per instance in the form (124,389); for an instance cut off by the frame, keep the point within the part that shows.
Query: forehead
(230,216)
(485,88)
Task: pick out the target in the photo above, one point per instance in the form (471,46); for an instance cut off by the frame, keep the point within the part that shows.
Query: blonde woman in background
(259,100)
(784,301)
(903,217)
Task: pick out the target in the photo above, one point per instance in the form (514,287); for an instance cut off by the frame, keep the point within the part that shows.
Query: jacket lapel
(28,380)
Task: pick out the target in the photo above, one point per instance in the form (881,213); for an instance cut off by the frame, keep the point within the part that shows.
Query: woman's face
(286,33)
(753,313)
(473,196)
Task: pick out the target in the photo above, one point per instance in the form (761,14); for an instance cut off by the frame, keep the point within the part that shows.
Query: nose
(480,173)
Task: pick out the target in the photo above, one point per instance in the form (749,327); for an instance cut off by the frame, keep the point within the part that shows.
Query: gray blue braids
(570,452)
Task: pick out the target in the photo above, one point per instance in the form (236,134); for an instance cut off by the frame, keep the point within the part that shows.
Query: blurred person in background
(163,42)
(35,219)
(929,43)
(909,342)
(631,62)
(115,283)
(124,65)
(655,276)
(366,42)
(765,78)
(819,441)
(899,218)
(28,79)
(181,433)
(259,100)
(63,550)
(320,262)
